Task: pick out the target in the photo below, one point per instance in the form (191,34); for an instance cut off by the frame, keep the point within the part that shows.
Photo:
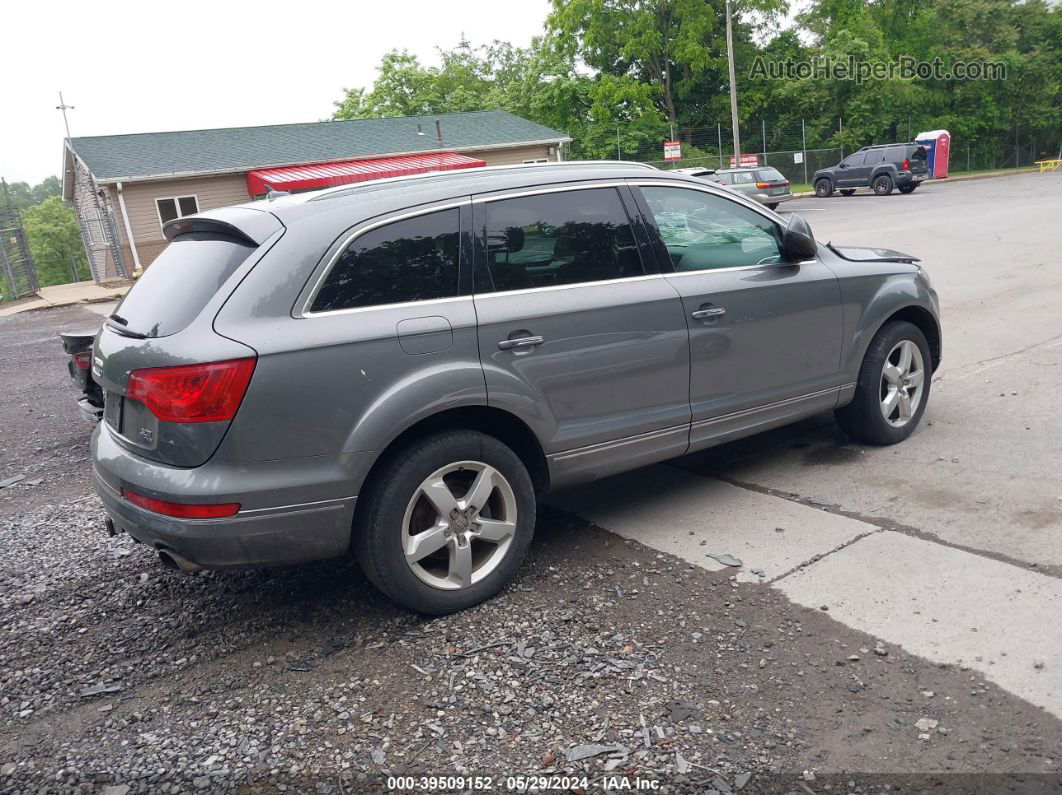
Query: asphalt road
(949,544)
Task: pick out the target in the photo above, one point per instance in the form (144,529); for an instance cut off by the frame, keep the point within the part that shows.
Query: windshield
(177,285)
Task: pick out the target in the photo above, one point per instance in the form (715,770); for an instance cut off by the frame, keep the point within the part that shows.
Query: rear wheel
(824,188)
(908,188)
(847,191)
(893,386)
(883,185)
(446,522)
(773,205)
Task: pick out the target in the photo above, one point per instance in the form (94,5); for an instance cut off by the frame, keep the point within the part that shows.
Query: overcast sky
(130,67)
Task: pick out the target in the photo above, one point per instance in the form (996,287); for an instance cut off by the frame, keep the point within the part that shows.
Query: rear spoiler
(253,227)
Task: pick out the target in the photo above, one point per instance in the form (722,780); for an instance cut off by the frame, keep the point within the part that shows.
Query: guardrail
(1049,165)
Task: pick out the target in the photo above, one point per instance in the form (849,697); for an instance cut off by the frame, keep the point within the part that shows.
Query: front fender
(871,300)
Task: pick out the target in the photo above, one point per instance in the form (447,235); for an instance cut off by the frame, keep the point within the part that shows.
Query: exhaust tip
(171,560)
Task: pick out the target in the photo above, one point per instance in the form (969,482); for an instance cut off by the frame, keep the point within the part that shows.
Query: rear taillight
(763,185)
(193,393)
(906,165)
(182,510)
(83,360)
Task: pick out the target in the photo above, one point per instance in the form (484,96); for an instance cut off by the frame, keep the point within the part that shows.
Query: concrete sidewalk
(66,295)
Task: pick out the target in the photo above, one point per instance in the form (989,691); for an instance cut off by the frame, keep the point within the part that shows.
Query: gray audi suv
(396,370)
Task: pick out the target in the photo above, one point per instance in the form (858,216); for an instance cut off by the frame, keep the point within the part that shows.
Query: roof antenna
(438,133)
(420,131)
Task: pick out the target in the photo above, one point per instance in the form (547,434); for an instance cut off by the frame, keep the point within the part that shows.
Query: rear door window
(410,260)
(875,156)
(177,285)
(558,238)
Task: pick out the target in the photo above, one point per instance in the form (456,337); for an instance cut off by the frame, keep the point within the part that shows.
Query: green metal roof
(112,157)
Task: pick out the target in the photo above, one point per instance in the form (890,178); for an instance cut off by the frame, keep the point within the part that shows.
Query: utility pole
(733,88)
(64,108)
(804,143)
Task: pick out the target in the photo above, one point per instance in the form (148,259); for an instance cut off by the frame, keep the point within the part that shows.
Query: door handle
(520,342)
(701,314)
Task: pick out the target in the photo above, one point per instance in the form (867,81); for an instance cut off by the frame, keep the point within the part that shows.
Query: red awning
(292,178)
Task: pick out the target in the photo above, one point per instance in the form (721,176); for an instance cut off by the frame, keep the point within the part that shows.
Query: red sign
(746,160)
(672,150)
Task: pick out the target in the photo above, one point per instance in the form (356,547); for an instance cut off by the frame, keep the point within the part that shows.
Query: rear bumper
(903,178)
(259,535)
(763,198)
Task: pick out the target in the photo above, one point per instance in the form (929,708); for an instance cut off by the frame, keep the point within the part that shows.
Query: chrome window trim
(521,192)
(361,230)
(554,287)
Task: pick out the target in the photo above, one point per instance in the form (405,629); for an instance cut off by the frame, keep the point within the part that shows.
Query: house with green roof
(125,187)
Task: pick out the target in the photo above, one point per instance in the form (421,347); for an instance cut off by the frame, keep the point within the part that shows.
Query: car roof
(369,199)
(334,210)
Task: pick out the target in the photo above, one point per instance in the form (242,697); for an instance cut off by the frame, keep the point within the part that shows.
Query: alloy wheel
(459,525)
(902,383)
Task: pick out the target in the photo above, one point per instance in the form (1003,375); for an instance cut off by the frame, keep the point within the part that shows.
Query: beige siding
(507,157)
(211,192)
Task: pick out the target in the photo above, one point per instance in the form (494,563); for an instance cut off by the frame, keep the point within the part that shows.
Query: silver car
(398,369)
(764,184)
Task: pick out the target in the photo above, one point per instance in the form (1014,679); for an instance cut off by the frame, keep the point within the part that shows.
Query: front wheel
(824,188)
(446,522)
(908,188)
(893,386)
(883,185)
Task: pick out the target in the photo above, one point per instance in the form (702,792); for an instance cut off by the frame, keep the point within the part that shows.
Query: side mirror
(842,165)
(798,242)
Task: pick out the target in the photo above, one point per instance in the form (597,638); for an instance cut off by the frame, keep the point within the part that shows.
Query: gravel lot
(121,676)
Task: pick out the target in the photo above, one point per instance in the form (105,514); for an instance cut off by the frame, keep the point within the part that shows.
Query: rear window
(177,285)
(919,152)
(770,175)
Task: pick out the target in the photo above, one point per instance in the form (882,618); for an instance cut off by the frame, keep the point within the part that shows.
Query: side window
(558,238)
(742,178)
(895,154)
(702,231)
(875,156)
(855,160)
(410,260)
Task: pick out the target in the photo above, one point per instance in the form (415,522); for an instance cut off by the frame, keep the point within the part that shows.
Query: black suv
(882,168)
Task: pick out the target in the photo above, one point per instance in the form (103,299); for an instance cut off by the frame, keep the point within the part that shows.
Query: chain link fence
(797,148)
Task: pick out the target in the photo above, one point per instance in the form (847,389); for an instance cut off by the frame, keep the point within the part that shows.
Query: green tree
(54,238)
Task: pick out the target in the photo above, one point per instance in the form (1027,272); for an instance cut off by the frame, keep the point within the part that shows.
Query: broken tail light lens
(83,360)
(182,510)
(193,393)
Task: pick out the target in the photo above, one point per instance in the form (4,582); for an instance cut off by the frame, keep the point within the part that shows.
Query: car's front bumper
(271,528)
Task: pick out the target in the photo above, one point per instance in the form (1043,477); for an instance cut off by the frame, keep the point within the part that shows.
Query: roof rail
(339,190)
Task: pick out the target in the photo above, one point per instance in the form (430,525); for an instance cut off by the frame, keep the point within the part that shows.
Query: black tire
(824,188)
(908,188)
(773,205)
(883,185)
(847,191)
(378,531)
(862,419)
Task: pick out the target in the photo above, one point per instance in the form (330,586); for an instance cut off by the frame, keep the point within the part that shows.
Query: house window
(176,207)
(539,160)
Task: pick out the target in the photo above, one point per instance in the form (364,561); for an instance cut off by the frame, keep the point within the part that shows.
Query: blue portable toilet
(937,144)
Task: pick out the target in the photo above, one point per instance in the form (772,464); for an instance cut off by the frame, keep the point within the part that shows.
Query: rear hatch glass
(770,175)
(177,285)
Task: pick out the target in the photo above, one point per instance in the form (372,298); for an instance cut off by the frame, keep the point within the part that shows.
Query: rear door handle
(520,342)
(701,314)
